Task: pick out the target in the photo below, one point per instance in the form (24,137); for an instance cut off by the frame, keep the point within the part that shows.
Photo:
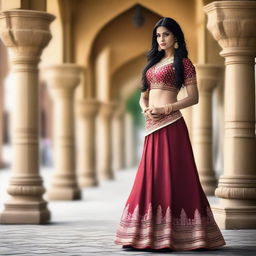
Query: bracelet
(167,109)
(143,110)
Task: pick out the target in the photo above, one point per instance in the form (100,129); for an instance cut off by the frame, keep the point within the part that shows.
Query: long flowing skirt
(167,207)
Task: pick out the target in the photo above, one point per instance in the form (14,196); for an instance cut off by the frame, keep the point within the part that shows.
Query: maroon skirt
(167,207)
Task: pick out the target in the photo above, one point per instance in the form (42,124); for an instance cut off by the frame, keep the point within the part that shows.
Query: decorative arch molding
(99,25)
(127,77)
(109,24)
(124,10)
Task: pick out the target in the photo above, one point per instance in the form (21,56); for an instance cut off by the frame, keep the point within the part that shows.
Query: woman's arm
(188,101)
(190,82)
(144,99)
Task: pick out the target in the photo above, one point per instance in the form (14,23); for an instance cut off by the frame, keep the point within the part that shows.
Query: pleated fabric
(167,207)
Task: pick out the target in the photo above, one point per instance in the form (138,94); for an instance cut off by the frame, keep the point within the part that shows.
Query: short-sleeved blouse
(163,77)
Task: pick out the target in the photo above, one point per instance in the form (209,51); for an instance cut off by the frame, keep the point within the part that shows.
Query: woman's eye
(164,35)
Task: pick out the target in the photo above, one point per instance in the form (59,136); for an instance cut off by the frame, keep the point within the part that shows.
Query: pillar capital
(25,32)
(208,76)
(119,111)
(62,79)
(232,24)
(87,108)
(107,109)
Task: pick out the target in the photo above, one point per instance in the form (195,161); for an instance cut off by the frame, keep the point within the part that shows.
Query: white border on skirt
(163,126)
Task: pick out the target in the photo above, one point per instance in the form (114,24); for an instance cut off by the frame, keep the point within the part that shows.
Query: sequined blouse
(163,77)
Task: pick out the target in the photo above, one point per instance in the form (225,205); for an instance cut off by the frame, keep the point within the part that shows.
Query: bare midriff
(159,97)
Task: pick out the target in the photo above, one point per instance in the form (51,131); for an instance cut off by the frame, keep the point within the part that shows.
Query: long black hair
(154,56)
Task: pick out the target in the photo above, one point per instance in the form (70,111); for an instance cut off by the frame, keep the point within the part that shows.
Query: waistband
(154,125)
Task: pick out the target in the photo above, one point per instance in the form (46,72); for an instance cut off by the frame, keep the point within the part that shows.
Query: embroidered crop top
(163,77)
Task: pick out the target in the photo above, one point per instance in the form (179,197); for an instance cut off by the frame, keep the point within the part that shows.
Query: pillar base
(64,194)
(64,187)
(106,175)
(209,184)
(87,182)
(240,217)
(2,165)
(25,213)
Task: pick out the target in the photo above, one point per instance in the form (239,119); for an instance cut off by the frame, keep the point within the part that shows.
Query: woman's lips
(162,44)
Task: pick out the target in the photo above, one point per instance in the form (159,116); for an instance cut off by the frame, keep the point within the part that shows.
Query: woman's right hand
(147,114)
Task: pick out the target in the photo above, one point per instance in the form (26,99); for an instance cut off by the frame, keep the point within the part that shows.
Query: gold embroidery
(190,81)
(163,63)
(153,125)
(164,86)
(164,230)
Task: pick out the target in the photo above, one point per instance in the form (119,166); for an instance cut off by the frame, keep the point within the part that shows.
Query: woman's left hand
(156,112)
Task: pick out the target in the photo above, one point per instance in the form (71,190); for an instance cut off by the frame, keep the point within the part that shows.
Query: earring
(159,48)
(176,45)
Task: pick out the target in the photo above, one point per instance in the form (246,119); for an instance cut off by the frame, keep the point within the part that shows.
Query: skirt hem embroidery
(164,231)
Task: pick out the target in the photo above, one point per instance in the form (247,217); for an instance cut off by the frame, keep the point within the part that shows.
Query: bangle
(143,111)
(167,109)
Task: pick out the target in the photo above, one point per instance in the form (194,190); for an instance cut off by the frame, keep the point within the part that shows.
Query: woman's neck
(169,53)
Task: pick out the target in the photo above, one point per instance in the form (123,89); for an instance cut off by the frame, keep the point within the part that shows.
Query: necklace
(164,61)
(167,59)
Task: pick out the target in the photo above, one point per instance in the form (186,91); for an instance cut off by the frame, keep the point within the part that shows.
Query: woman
(167,207)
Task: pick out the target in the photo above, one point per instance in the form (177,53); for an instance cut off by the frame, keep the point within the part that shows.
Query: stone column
(232,24)
(186,112)
(3,73)
(1,115)
(118,139)
(26,33)
(208,78)
(62,80)
(130,148)
(104,141)
(87,110)
(1,131)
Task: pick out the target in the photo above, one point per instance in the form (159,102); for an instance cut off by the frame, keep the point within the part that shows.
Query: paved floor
(87,227)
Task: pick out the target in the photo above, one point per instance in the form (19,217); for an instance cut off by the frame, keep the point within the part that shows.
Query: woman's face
(165,38)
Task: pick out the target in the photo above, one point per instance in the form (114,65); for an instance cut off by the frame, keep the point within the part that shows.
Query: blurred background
(109,40)
(86,91)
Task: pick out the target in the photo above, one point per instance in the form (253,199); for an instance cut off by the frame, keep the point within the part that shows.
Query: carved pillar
(87,110)
(1,124)
(104,141)
(130,148)
(62,80)
(186,112)
(208,78)
(26,34)
(118,139)
(3,73)
(2,63)
(232,24)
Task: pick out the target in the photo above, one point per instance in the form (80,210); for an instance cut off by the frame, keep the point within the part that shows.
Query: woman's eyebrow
(163,32)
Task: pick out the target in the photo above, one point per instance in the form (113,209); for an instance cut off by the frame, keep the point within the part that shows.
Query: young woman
(167,207)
